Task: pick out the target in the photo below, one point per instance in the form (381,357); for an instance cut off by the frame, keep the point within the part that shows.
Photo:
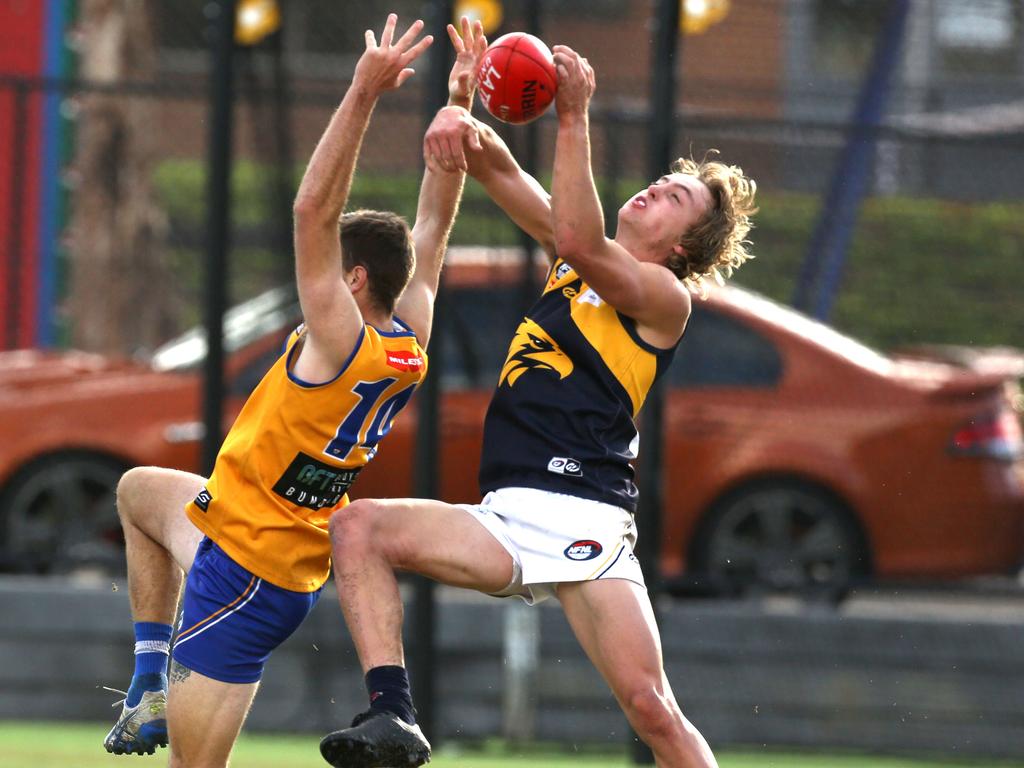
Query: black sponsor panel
(314,484)
(203,500)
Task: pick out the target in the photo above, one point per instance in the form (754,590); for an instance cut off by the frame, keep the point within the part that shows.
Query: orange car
(796,457)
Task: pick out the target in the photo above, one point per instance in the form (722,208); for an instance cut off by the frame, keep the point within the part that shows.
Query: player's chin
(628,212)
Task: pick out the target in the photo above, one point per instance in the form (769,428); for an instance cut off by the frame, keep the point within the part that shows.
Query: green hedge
(919,271)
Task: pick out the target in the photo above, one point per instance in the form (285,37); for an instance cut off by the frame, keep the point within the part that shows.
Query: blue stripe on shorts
(231,620)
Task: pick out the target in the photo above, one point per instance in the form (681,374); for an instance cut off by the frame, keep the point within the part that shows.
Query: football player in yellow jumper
(253,538)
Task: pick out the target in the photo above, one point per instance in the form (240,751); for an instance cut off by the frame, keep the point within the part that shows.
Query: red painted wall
(21,53)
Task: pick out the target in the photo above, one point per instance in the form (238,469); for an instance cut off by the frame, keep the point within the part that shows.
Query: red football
(517,79)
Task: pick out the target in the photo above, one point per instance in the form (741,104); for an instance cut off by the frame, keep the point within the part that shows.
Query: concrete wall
(746,675)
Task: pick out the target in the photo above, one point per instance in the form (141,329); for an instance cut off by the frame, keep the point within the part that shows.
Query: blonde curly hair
(716,245)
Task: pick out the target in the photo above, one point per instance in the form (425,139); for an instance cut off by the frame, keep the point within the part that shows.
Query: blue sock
(389,692)
(152,648)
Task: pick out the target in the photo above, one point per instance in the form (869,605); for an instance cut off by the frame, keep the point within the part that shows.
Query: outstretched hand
(385,66)
(444,146)
(576,81)
(470,47)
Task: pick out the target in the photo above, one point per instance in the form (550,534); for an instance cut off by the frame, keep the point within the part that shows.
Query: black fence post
(529,285)
(659,156)
(423,653)
(222,25)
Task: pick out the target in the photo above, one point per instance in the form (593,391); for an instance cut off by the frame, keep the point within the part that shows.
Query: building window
(979,36)
(844,35)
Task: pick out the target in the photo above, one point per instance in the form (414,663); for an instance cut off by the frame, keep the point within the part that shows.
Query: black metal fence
(772,84)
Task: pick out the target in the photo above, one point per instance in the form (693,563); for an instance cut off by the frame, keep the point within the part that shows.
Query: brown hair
(715,245)
(380,242)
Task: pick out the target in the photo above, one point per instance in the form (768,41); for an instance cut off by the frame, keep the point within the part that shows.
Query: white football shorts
(555,538)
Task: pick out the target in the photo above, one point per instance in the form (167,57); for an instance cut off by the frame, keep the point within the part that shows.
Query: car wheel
(59,515)
(781,538)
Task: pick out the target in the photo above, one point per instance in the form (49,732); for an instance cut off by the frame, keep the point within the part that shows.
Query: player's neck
(382,321)
(637,248)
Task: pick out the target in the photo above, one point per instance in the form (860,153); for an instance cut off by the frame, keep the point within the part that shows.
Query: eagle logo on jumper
(533,350)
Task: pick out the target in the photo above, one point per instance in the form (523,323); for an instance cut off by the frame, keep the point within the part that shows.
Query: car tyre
(781,537)
(58,515)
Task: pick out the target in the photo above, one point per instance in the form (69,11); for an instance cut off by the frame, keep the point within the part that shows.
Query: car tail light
(992,435)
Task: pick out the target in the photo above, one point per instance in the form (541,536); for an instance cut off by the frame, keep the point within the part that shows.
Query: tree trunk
(121,297)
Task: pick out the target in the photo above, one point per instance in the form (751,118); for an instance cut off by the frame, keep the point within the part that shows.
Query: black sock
(388,688)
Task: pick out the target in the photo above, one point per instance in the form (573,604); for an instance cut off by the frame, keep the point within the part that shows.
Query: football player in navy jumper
(557,516)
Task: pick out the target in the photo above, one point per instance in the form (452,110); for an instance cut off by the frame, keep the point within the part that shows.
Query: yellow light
(489,12)
(697,16)
(255,19)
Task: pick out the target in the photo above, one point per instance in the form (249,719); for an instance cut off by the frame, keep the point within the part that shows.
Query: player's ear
(356,278)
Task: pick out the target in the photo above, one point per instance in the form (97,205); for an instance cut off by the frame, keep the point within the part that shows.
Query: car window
(720,351)
(477,325)
(244,323)
(252,374)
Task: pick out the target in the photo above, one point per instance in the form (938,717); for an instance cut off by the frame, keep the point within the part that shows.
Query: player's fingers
(467,30)
(371,39)
(404,75)
(564,65)
(457,43)
(430,153)
(389,30)
(436,158)
(445,161)
(474,140)
(455,152)
(410,34)
(417,49)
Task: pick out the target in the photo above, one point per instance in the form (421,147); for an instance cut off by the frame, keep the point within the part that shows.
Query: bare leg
(160,541)
(205,717)
(614,623)
(371,538)
(160,544)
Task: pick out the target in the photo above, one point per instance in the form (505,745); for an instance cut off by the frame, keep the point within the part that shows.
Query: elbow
(304,208)
(308,212)
(574,248)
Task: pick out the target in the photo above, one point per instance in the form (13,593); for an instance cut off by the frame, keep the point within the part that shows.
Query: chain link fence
(773,85)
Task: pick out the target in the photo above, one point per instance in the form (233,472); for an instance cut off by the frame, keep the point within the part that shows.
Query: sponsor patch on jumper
(405,361)
(314,484)
(563,465)
(585,549)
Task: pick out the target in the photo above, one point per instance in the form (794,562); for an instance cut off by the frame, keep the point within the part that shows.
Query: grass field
(45,745)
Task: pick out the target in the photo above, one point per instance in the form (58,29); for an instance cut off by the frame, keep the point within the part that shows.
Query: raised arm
(440,192)
(456,139)
(645,291)
(330,312)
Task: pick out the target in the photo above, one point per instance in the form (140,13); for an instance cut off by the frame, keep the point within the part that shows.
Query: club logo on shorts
(563,465)
(585,549)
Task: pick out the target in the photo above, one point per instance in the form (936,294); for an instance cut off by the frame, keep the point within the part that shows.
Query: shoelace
(116,690)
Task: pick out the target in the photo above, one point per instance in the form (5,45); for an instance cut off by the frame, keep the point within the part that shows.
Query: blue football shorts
(232,620)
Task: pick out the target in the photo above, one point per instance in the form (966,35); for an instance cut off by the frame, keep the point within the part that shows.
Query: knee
(130,491)
(351,527)
(653,712)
